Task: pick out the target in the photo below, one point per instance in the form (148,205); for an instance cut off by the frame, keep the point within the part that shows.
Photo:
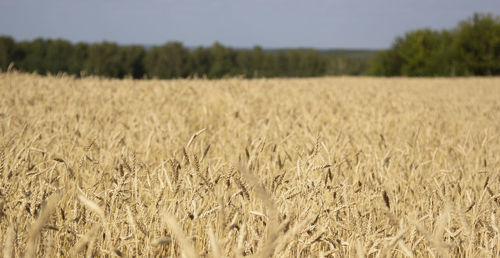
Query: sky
(322,24)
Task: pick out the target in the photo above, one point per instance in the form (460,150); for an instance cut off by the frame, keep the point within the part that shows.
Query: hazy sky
(237,23)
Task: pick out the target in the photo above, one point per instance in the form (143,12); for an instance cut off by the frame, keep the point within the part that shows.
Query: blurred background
(251,39)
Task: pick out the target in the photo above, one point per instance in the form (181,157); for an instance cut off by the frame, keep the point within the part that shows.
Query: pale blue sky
(237,23)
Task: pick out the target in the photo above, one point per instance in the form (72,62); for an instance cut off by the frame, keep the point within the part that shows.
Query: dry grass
(285,167)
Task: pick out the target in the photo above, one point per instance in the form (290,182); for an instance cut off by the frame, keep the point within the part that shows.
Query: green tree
(473,48)
(223,61)
(420,52)
(105,59)
(310,64)
(200,61)
(386,63)
(293,63)
(133,61)
(477,45)
(168,61)
(281,64)
(263,63)
(78,59)
(58,56)
(6,52)
(30,56)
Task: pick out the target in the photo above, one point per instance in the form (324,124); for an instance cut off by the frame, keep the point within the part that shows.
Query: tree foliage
(472,48)
(6,52)
(171,60)
(168,61)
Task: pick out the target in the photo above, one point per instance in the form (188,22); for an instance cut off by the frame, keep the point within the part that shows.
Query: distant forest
(173,60)
(472,48)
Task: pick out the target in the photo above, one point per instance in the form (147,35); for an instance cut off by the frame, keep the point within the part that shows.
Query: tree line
(471,48)
(171,60)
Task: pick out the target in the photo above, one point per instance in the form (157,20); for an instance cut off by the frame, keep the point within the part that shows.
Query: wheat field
(326,167)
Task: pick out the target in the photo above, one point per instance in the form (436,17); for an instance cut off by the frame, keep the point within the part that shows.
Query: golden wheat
(327,167)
